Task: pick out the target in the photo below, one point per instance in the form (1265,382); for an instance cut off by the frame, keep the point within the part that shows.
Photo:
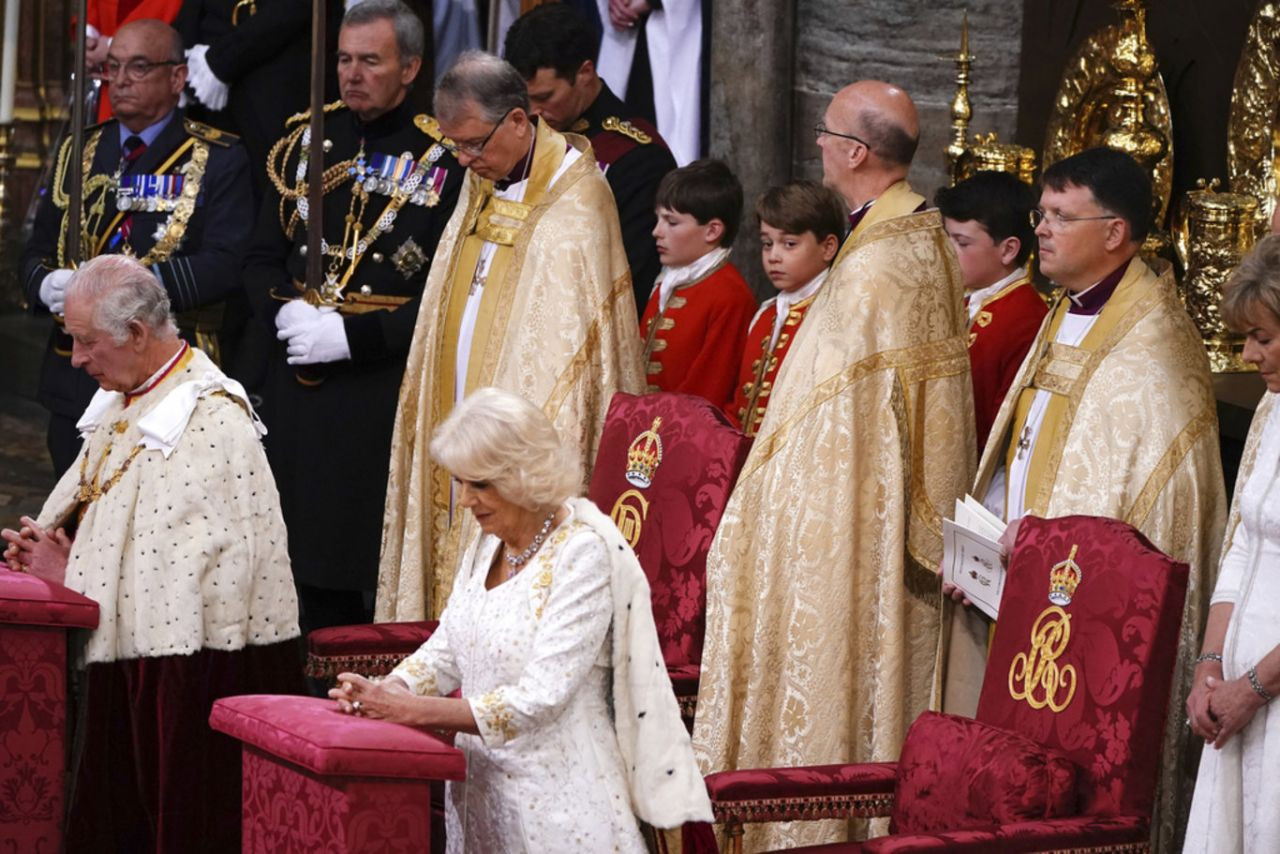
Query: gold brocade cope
(1253,149)
(1131,433)
(822,598)
(1212,233)
(1112,95)
(559,329)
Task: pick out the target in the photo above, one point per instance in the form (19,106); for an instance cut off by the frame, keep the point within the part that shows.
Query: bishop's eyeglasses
(1056,219)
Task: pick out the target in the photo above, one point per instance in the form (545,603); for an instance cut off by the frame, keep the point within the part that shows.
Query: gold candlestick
(961,109)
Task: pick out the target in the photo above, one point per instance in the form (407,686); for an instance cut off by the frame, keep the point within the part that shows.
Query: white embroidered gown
(1236,806)
(532,658)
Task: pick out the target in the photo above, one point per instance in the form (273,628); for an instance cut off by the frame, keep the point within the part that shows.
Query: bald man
(822,601)
(171,192)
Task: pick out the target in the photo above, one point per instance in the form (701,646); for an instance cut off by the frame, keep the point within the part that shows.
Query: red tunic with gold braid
(999,337)
(760,364)
(692,345)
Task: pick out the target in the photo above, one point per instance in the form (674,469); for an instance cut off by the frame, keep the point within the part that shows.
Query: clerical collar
(1091,300)
(158,377)
(855,217)
(520,171)
(148,134)
(386,124)
(976,298)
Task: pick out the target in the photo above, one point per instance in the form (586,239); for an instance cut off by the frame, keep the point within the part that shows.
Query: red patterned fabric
(1110,834)
(33,716)
(675,517)
(312,733)
(809,781)
(372,649)
(1124,621)
(31,601)
(288,810)
(956,773)
(152,776)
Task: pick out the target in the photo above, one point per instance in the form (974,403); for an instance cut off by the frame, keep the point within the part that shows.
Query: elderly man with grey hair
(390,187)
(530,293)
(169,520)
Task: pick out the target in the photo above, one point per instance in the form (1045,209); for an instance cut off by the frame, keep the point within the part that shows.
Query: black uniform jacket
(330,425)
(634,159)
(204,268)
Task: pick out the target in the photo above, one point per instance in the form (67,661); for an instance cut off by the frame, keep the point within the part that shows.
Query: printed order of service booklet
(971,555)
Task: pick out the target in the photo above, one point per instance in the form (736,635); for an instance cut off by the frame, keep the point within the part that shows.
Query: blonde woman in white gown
(548,608)
(1236,807)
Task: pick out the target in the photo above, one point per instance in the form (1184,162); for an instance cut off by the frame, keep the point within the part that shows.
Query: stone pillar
(900,42)
(752,44)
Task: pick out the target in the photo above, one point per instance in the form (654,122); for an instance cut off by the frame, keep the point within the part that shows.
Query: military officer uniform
(634,159)
(181,204)
(390,187)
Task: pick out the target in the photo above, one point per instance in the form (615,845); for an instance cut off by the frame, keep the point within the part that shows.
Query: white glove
(53,290)
(295,312)
(210,91)
(314,341)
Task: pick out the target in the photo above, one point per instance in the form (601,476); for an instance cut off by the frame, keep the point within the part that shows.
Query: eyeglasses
(475,149)
(819,129)
(1057,220)
(135,69)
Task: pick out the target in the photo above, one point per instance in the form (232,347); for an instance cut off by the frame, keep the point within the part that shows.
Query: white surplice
(532,656)
(1238,787)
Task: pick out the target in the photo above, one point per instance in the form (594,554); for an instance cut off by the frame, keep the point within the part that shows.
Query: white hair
(503,439)
(123,291)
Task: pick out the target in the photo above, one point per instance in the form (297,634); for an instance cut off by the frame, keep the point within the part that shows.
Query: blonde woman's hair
(1254,283)
(501,438)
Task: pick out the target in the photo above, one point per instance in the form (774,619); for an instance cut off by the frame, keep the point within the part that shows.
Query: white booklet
(971,554)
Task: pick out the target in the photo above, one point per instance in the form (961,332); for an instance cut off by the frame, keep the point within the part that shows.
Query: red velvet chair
(1065,748)
(35,616)
(664,470)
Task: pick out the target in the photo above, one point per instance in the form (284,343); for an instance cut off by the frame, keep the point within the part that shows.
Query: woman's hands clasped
(386,699)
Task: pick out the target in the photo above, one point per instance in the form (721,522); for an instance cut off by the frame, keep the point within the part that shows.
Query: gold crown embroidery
(644,455)
(1064,578)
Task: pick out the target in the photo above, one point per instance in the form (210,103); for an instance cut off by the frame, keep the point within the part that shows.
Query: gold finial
(961,110)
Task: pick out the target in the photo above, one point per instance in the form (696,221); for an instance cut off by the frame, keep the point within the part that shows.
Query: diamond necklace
(514,562)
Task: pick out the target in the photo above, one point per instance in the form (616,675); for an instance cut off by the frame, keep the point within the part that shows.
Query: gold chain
(176,225)
(91,490)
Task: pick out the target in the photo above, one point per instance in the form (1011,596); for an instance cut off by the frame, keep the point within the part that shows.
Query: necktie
(133,148)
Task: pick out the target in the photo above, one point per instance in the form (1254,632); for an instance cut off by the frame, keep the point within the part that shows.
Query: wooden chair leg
(734,830)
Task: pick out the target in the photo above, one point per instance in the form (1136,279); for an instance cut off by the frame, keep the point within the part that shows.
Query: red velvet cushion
(31,601)
(956,774)
(678,510)
(311,732)
(808,781)
(370,638)
(1125,614)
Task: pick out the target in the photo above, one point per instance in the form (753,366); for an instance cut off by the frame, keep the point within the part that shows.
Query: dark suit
(633,168)
(202,272)
(330,443)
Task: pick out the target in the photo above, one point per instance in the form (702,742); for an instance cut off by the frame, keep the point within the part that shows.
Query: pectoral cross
(1024,441)
(477,281)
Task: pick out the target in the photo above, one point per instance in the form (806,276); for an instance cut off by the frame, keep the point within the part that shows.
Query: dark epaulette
(305,115)
(207,133)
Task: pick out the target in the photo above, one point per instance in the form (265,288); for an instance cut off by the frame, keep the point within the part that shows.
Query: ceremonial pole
(316,293)
(78,91)
(315,153)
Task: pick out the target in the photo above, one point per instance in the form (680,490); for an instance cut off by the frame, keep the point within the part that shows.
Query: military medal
(409,258)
